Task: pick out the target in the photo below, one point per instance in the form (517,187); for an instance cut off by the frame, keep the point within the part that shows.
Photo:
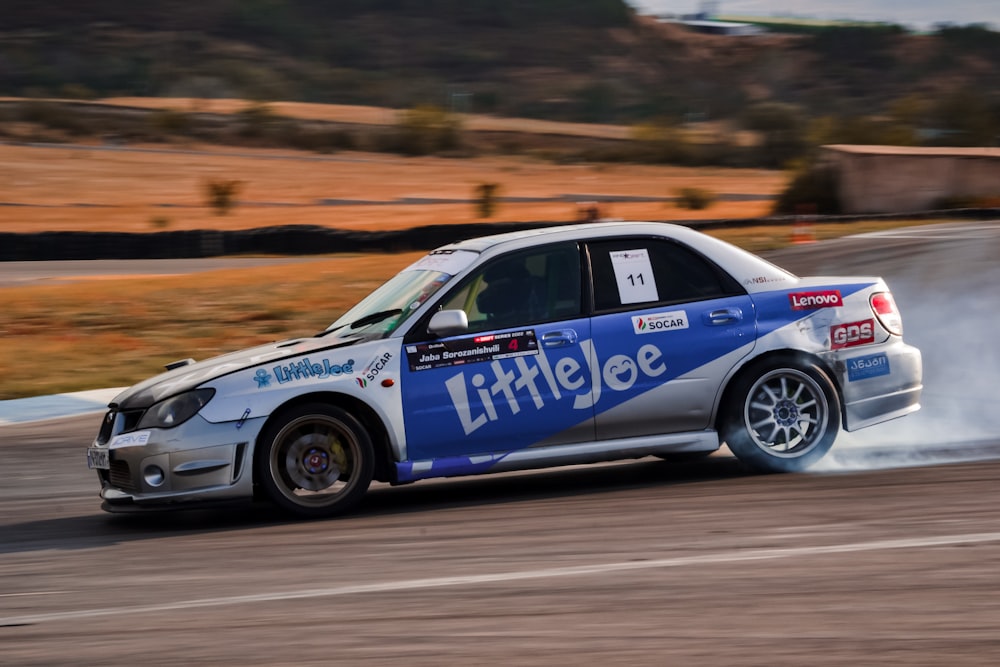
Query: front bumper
(197,462)
(879,383)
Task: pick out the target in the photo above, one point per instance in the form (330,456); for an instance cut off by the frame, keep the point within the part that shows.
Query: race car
(564,345)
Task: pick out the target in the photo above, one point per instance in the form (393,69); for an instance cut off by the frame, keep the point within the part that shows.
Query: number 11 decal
(634,275)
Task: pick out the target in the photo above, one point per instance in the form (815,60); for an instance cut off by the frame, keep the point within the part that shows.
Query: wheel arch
(773,357)
(384,470)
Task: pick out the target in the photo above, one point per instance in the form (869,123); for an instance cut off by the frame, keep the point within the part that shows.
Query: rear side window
(636,273)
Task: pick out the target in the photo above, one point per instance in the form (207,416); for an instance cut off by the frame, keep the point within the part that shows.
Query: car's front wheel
(781,416)
(315,460)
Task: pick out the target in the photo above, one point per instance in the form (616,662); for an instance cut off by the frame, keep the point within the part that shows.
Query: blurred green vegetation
(695,199)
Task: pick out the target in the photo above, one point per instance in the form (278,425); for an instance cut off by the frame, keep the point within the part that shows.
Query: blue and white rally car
(565,345)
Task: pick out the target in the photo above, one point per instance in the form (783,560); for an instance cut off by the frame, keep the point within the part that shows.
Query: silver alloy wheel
(314,460)
(786,413)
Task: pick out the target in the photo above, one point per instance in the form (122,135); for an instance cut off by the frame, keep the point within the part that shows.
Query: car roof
(742,265)
(590,230)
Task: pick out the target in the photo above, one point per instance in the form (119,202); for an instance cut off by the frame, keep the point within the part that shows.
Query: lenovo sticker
(814,300)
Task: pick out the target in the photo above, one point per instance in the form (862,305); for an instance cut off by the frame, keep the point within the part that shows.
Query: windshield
(384,310)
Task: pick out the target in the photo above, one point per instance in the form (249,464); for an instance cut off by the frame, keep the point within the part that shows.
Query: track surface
(872,560)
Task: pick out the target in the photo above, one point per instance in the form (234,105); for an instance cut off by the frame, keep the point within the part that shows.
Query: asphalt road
(887,555)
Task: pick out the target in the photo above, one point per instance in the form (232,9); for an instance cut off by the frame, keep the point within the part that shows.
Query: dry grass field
(119,330)
(152,188)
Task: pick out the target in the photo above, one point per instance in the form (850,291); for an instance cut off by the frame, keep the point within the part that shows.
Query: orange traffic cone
(802,233)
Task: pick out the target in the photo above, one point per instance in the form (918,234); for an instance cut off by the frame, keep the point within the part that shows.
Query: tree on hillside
(783,129)
(967,118)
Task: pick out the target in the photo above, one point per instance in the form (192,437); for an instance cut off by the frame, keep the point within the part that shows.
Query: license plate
(98,458)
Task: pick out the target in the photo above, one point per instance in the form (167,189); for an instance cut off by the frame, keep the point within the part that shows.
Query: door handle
(723,316)
(559,338)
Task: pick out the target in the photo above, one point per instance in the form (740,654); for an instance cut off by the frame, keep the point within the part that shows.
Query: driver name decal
(471,349)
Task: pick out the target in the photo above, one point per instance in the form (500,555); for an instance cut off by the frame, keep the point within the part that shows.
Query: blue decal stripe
(774,310)
(448,466)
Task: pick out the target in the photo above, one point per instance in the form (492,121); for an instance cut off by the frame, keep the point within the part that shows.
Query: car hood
(184,378)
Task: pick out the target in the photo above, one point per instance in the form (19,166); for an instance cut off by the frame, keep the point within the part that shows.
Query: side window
(527,287)
(639,272)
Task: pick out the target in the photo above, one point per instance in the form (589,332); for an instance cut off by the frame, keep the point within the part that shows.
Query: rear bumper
(879,383)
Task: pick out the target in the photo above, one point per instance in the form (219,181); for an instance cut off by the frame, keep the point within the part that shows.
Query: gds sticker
(851,334)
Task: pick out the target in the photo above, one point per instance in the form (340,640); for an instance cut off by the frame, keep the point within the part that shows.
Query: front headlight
(176,410)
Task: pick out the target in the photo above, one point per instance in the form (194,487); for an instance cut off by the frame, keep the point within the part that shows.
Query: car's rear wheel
(781,416)
(315,460)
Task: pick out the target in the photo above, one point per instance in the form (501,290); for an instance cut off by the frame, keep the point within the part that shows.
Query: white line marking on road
(945,231)
(31,593)
(501,577)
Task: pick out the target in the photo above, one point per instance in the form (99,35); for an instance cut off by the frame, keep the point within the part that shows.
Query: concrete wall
(889,179)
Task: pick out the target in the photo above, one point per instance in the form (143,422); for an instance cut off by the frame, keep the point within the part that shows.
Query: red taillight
(885,310)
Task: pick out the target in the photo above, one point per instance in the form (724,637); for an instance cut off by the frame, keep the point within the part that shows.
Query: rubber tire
(749,448)
(276,480)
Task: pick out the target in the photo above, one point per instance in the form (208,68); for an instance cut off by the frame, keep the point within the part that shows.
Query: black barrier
(316,240)
(284,240)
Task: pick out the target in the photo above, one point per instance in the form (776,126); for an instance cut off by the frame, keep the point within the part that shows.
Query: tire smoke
(946,282)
